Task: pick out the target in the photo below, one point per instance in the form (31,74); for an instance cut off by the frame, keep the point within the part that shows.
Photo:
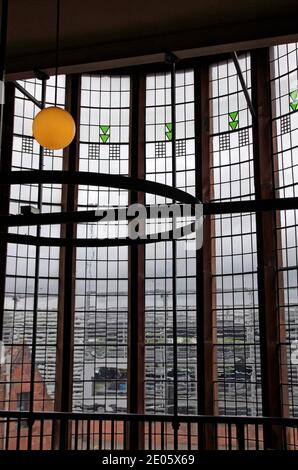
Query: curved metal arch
(97,179)
(78,217)
(89,179)
(95,242)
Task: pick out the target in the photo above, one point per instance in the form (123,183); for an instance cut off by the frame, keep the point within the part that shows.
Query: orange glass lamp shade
(54,128)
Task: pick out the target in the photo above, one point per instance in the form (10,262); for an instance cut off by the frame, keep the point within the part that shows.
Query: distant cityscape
(100,354)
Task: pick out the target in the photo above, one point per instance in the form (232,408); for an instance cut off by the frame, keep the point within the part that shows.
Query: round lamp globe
(53,128)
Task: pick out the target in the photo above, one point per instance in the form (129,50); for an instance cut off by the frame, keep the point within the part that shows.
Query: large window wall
(102,321)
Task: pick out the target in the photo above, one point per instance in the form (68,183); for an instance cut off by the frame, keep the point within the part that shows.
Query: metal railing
(92,431)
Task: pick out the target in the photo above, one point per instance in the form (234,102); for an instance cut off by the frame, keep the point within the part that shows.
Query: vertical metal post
(3,49)
(36,285)
(3,36)
(172,60)
(205,290)
(6,158)
(274,404)
(66,304)
(136,271)
(283,356)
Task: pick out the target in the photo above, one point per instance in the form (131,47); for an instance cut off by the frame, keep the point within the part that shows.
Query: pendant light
(53,127)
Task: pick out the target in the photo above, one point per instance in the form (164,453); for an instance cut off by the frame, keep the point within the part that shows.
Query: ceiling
(103,34)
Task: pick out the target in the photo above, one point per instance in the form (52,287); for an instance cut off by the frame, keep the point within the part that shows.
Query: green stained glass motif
(234,122)
(169,128)
(293,100)
(104,136)
(104,129)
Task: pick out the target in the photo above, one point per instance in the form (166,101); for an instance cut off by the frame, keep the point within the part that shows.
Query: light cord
(57,49)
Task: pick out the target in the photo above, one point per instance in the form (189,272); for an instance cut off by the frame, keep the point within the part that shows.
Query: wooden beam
(66,302)
(273,398)
(136,271)
(206,320)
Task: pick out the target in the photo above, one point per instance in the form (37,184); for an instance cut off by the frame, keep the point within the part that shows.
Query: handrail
(47,415)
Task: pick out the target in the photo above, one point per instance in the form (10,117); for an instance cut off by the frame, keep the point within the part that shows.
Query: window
(101,290)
